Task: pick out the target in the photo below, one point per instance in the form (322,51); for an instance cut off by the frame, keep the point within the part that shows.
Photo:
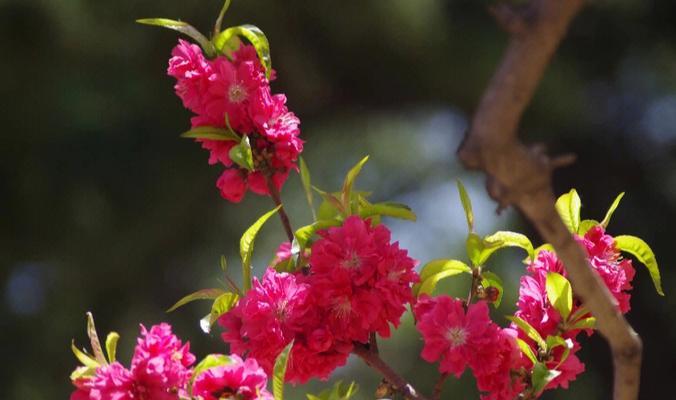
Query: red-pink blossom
(238,379)
(316,354)
(501,378)
(111,382)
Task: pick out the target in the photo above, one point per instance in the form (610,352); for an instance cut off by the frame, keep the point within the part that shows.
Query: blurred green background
(104,208)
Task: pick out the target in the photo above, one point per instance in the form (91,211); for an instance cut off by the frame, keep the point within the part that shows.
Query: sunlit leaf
(349,183)
(279,372)
(242,154)
(183,28)
(85,359)
(246,246)
(331,207)
(339,391)
(560,294)
(436,270)
(542,376)
(210,361)
(586,225)
(204,294)
(211,133)
(558,341)
(584,323)
(568,206)
(388,209)
(222,305)
(305,233)
(307,186)
(475,247)
(491,280)
(502,239)
(644,254)
(611,210)
(529,331)
(82,372)
(527,350)
(253,35)
(466,205)
(111,346)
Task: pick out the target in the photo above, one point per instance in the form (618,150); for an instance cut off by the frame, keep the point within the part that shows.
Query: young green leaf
(307,186)
(500,240)
(388,209)
(331,207)
(94,340)
(242,154)
(488,280)
(246,246)
(527,350)
(183,28)
(279,372)
(584,323)
(82,372)
(542,376)
(560,294)
(349,183)
(568,205)
(558,341)
(84,358)
(466,205)
(436,270)
(339,391)
(305,233)
(475,247)
(210,361)
(586,225)
(111,346)
(643,253)
(529,331)
(255,36)
(211,133)
(204,294)
(611,210)
(222,305)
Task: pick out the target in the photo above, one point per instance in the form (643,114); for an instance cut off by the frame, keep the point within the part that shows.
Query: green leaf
(584,323)
(568,206)
(331,207)
(279,372)
(111,346)
(82,372)
(349,183)
(436,270)
(388,209)
(643,253)
(537,250)
(242,154)
(558,341)
(221,15)
(307,186)
(466,205)
(211,133)
(560,294)
(222,305)
(255,36)
(500,240)
(527,350)
(305,233)
(542,376)
(475,247)
(586,225)
(489,279)
(529,331)
(183,28)
(85,359)
(339,391)
(204,294)
(611,210)
(246,245)
(94,340)
(224,263)
(210,361)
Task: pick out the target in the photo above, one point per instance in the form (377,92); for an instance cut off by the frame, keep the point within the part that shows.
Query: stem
(219,20)
(276,197)
(374,361)
(439,386)
(476,272)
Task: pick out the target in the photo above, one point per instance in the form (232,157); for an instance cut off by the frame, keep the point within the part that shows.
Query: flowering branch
(373,360)
(277,199)
(521,175)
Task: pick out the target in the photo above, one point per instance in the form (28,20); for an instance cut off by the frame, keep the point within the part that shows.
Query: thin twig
(374,361)
(276,197)
(521,176)
(438,387)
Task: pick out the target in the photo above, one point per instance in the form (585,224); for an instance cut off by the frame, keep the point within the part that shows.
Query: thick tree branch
(521,176)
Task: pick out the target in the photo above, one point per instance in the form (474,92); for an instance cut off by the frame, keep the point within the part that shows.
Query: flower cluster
(235,94)
(534,307)
(160,369)
(358,283)
(459,339)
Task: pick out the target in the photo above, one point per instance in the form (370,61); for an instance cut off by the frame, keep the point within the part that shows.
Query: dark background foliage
(104,208)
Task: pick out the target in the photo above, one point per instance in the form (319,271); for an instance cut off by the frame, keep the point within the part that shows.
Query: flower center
(352,261)
(456,336)
(343,308)
(237,93)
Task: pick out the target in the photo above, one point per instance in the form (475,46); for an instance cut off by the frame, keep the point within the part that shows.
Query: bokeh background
(104,208)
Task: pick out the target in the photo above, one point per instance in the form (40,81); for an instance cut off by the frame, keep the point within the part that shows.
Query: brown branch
(521,176)
(277,199)
(373,360)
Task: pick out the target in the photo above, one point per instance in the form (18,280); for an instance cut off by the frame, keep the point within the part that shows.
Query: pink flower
(316,354)
(570,368)
(239,379)
(454,337)
(498,381)
(232,184)
(192,72)
(534,307)
(360,279)
(267,318)
(161,363)
(111,382)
